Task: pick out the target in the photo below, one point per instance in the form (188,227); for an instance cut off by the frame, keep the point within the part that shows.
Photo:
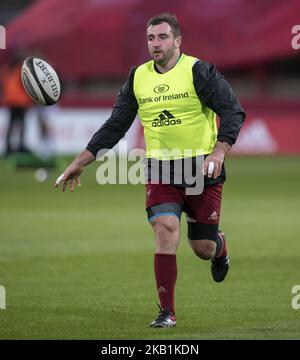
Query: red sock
(165,273)
(221,245)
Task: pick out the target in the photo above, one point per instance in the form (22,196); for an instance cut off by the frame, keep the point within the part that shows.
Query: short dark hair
(168,18)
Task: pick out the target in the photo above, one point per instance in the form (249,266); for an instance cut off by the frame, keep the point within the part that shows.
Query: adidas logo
(165,119)
(162,290)
(213,216)
(256,138)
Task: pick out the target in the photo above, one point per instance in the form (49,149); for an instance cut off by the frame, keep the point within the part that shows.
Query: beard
(162,58)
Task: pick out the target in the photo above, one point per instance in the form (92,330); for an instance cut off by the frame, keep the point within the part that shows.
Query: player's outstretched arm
(72,173)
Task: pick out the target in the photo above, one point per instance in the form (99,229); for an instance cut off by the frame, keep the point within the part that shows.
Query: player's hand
(213,163)
(70,177)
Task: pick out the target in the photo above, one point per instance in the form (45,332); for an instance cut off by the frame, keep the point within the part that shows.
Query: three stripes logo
(165,118)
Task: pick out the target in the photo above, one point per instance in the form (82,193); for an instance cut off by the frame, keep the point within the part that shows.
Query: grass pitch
(80,266)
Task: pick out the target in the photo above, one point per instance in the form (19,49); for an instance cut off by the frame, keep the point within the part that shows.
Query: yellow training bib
(176,124)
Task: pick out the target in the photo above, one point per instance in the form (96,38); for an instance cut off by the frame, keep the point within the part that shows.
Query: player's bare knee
(165,224)
(166,230)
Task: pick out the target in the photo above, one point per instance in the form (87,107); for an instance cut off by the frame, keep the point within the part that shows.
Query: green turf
(79,266)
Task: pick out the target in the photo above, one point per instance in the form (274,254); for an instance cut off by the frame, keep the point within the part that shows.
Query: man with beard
(176,97)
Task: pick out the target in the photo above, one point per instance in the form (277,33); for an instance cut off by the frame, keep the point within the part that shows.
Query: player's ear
(178,40)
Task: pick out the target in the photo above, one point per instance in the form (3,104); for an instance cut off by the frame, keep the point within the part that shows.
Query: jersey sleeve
(215,93)
(122,116)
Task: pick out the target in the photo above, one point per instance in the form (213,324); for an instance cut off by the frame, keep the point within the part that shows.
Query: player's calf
(220,262)
(203,238)
(205,249)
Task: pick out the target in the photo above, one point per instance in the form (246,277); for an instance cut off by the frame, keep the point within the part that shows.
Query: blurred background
(93,43)
(80,265)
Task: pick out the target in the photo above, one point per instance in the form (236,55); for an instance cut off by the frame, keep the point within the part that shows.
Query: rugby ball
(40,81)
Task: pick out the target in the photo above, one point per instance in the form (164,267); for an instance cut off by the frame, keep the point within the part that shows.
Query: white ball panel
(48,78)
(32,83)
